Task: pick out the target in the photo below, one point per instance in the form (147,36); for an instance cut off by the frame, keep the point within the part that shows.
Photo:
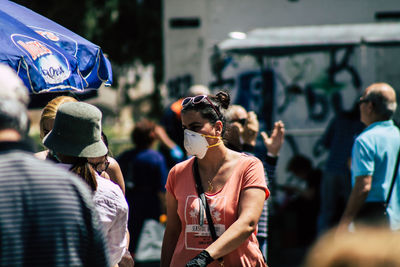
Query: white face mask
(196,144)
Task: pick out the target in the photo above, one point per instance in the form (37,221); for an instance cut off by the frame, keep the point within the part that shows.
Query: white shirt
(112,208)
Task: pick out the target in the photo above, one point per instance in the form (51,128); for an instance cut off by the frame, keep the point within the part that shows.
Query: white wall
(188,50)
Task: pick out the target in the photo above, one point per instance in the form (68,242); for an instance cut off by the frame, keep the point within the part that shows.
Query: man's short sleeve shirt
(374,153)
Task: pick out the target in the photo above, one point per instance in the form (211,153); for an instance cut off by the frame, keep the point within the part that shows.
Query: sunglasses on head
(197,99)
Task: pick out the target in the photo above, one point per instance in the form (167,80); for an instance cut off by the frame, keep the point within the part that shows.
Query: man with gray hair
(47,216)
(374,158)
(13,100)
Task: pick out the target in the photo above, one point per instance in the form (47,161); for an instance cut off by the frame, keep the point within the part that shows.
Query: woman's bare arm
(172,231)
(250,208)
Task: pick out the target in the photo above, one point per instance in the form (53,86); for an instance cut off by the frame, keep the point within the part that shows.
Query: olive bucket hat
(77,131)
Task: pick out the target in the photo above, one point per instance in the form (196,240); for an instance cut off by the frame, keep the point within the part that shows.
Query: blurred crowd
(191,191)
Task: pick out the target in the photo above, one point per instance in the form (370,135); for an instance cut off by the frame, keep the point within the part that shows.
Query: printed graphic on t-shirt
(198,237)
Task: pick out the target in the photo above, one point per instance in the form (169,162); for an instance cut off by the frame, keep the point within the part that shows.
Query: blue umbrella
(93,68)
(42,65)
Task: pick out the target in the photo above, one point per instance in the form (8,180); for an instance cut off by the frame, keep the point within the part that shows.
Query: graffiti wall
(304,91)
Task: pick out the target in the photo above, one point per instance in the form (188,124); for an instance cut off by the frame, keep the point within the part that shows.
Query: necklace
(209,181)
(210,186)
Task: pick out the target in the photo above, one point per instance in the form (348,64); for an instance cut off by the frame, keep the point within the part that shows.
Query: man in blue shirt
(374,157)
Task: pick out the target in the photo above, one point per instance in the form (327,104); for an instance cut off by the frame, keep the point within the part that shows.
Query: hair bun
(224,99)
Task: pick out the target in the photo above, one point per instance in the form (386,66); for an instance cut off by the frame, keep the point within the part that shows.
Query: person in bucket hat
(75,141)
(109,170)
(77,131)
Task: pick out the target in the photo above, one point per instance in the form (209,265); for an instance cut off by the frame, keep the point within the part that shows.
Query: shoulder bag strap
(204,203)
(202,196)
(395,172)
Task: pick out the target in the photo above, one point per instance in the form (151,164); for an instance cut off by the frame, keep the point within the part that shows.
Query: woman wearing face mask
(234,187)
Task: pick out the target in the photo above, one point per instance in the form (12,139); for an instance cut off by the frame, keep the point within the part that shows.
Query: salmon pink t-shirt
(224,205)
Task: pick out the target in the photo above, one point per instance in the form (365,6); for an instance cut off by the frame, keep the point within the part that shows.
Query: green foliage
(126,30)
(116,143)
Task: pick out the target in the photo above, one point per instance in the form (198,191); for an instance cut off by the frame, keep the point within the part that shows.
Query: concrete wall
(187,51)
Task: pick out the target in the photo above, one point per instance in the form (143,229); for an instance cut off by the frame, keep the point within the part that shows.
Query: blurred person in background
(338,139)
(234,191)
(367,247)
(75,142)
(241,136)
(300,208)
(243,129)
(47,215)
(47,117)
(145,173)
